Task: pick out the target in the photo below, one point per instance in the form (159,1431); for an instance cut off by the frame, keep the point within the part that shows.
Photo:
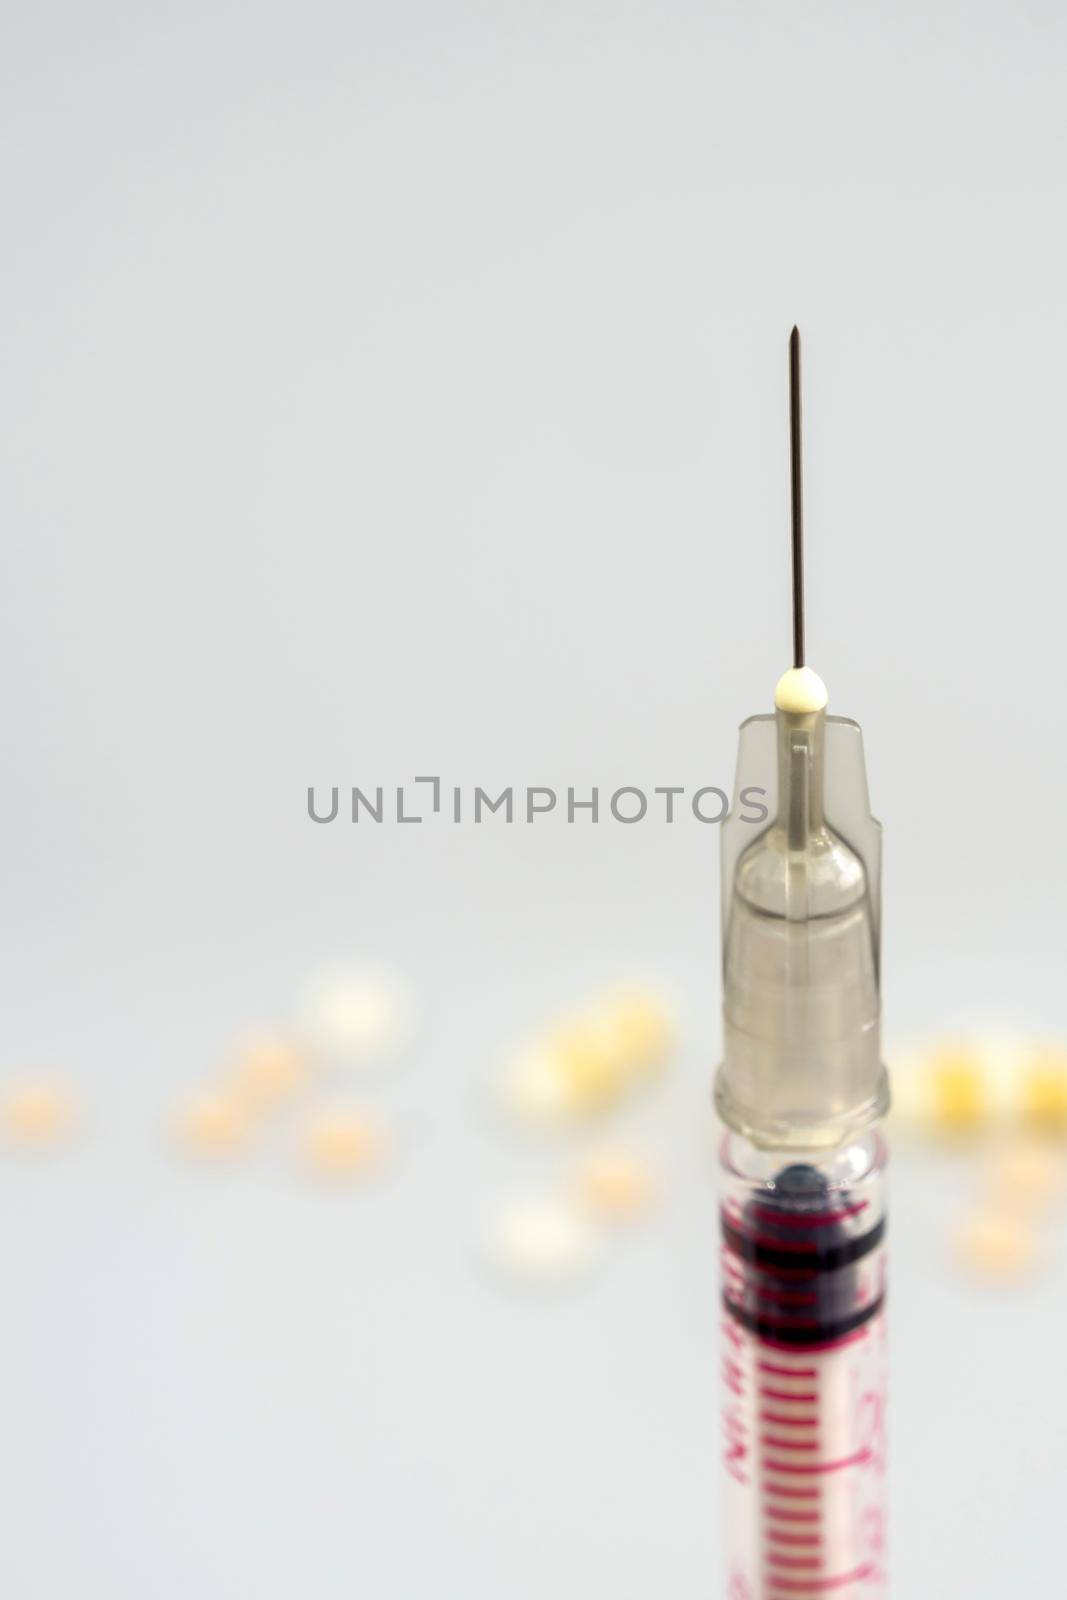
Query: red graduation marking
(785,1372)
(786,1586)
(810,1219)
(817,1466)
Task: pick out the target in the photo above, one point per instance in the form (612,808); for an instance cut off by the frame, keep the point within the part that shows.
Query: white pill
(358,1014)
(546,1239)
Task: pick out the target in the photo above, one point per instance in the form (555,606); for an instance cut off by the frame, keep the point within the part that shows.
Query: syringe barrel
(803,1345)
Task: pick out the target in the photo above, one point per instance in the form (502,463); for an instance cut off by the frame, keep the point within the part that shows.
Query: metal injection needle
(797,497)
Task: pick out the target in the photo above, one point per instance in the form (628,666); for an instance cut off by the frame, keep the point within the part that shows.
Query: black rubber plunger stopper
(799,1183)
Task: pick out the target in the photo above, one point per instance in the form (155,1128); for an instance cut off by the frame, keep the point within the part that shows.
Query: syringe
(802,1090)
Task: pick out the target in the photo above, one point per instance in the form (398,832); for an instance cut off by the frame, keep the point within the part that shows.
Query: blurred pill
(594,1074)
(535,1088)
(37,1113)
(564,1076)
(617,1185)
(211,1123)
(1028,1172)
(358,1014)
(959,1096)
(1043,1090)
(343,1142)
(266,1069)
(636,1025)
(544,1240)
(996,1244)
(1001,1057)
(908,1078)
(979,1085)
(586,1064)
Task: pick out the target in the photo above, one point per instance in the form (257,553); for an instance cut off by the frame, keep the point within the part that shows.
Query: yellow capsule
(267,1069)
(37,1113)
(587,1063)
(564,1077)
(594,1075)
(212,1123)
(959,1101)
(636,1028)
(342,1143)
(1043,1090)
(617,1184)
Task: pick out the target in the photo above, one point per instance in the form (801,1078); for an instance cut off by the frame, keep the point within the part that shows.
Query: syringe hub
(801,1007)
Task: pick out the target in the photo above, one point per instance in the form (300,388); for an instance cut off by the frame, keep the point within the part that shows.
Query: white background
(401,389)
